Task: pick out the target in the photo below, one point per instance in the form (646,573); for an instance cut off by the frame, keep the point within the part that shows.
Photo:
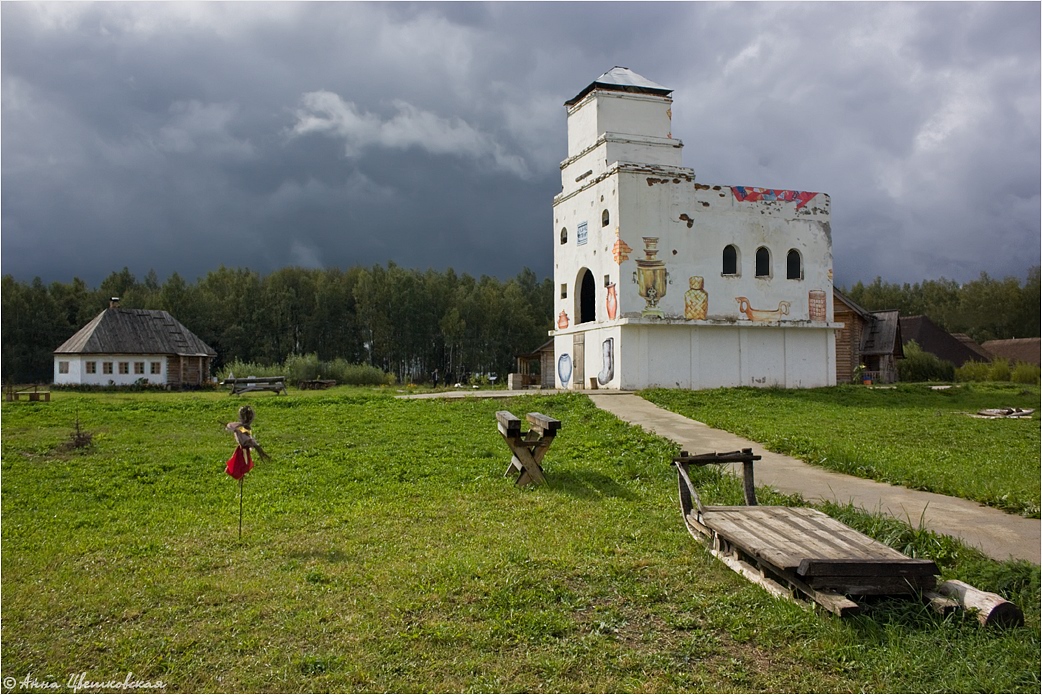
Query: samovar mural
(651,277)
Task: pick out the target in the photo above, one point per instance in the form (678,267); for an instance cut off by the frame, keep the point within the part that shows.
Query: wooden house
(127,346)
(536,368)
(868,338)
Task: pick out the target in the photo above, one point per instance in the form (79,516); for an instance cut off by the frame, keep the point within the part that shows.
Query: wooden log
(509,424)
(544,423)
(867,567)
(942,604)
(991,608)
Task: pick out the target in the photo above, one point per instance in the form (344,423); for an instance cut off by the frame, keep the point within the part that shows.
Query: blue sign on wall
(580,234)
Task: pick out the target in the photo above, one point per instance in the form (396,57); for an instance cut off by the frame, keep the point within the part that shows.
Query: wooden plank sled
(802,553)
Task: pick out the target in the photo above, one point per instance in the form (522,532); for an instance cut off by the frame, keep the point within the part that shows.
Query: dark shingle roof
(883,334)
(135,332)
(937,341)
(620,79)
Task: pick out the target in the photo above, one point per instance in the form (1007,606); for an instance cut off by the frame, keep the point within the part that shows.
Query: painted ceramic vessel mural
(607,362)
(762,314)
(816,302)
(611,302)
(651,277)
(562,320)
(621,250)
(696,299)
(564,368)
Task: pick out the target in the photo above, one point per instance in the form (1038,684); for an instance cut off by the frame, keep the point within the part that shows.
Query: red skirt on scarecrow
(240,463)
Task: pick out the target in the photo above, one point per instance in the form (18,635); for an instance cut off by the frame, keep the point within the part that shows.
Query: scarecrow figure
(241,461)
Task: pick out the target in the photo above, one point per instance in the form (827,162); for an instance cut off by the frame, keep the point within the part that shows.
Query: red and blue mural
(743,193)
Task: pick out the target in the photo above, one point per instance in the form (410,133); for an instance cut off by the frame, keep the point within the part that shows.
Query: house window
(793,265)
(564,235)
(763,262)
(604,218)
(92,367)
(139,367)
(106,367)
(730,260)
(124,367)
(564,290)
(156,367)
(63,367)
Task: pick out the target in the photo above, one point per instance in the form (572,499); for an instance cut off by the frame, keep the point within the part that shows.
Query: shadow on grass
(588,485)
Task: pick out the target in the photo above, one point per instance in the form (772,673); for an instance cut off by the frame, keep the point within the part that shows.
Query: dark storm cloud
(180,137)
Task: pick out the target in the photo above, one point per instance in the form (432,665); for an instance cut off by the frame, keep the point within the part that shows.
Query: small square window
(564,291)
(106,367)
(155,367)
(92,367)
(139,367)
(124,367)
(63,367)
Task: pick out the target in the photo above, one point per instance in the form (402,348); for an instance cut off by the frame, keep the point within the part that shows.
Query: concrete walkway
(999,535)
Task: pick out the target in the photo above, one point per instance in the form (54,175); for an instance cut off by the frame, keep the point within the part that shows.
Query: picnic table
(256,383)
(529,448)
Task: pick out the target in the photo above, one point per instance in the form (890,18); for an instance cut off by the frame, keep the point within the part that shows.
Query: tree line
(404,322)
(984,309)
(407,322)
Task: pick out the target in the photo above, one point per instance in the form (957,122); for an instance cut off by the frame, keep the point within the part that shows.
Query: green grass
(912,435)
(383,550)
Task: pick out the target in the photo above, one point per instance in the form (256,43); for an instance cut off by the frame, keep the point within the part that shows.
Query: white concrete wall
(615,112)
(704,357)
(78,369)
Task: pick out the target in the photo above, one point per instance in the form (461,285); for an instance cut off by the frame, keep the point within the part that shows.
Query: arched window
(604,218)
(587,298)
(763,262)
(793,265)
(730,260)
(564,235)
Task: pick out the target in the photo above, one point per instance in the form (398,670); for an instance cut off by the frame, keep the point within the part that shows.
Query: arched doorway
(587,295)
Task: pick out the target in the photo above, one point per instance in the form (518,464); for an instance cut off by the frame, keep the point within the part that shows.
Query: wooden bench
(32,395)
(529,448)
(256,383)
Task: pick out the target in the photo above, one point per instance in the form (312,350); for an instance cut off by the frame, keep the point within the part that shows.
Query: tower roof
(621,79)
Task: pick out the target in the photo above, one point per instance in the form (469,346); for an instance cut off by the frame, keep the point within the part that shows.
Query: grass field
(383,550)
(911,435)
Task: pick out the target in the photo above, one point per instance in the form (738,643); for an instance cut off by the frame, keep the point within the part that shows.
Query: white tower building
(664,281)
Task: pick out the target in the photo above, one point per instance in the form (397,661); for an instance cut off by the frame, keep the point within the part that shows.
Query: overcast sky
(180,137)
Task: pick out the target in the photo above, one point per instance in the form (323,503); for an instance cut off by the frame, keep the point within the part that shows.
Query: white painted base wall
(77,373)
(704,356)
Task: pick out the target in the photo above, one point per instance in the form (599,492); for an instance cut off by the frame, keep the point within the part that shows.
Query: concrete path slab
(999,535)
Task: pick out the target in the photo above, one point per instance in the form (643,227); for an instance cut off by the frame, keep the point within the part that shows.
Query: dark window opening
(730,260)
(793,265)
(604,218)
(763,262)
(564,235)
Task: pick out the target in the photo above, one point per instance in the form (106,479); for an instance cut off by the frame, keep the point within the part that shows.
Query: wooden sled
(801,553)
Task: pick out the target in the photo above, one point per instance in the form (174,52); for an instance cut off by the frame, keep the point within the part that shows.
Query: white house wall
(78,369)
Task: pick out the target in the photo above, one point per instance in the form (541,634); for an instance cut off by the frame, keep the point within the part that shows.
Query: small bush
(973,371)
(1025,373)
(999,371)
(919,365)
(245,369)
